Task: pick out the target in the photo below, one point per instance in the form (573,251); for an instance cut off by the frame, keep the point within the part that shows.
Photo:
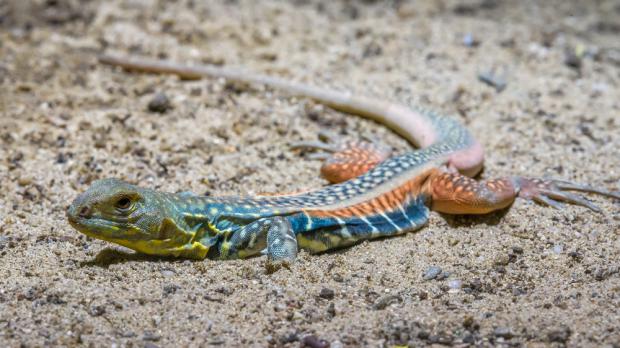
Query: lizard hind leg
(453,193)
(345,160)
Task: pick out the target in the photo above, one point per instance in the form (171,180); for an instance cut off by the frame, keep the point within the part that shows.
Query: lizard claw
(552,192)
(272,266)
(327,142)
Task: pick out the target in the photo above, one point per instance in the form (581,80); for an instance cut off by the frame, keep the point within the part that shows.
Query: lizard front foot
(281,245)
(272,266)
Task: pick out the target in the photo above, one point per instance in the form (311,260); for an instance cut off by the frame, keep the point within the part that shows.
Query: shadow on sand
(112,256)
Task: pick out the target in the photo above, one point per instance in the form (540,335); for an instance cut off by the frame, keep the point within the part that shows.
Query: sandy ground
(530,276)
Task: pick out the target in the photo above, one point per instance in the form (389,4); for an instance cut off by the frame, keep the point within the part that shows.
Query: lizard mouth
(107,230)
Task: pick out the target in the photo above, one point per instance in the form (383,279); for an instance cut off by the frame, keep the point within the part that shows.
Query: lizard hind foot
(553,192)
(344,160)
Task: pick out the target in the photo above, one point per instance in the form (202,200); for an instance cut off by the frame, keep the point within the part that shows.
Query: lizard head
(131,216)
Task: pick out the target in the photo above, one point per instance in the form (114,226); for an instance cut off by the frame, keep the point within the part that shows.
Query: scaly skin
(373,196)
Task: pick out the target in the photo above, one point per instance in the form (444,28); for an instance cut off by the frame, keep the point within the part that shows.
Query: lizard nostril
(84,212)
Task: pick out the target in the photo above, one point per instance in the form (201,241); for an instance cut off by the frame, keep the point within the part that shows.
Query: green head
(138,218)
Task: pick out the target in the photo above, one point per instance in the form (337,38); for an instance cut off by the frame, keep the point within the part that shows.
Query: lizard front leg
(273,236)
(281,244)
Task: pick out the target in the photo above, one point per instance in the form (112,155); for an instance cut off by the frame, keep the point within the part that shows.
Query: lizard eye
(123,203)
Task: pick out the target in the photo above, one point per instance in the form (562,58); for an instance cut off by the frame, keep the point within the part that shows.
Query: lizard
(372,194)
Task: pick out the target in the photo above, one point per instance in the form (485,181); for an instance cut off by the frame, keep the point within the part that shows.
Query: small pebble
(470,41)
(314,342)
(289,338)
(150,336)
(167,273)
(575,255)
(160,103)
(455,284)
(443,339)
(385,301)
(336,344)
(96,311)
(469,339)
(468,321)
(170,289)
(331,310)
(326,293)
(494,80)
(572,60)
(443,275)
(558,248)
(4,240)
(24,181)
(431,273)
(559,335)
(502,260)
(503,332)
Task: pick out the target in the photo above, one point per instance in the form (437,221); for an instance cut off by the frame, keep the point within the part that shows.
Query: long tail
(420,127)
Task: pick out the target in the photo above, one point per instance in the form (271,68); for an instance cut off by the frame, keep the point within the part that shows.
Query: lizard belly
(319,231)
